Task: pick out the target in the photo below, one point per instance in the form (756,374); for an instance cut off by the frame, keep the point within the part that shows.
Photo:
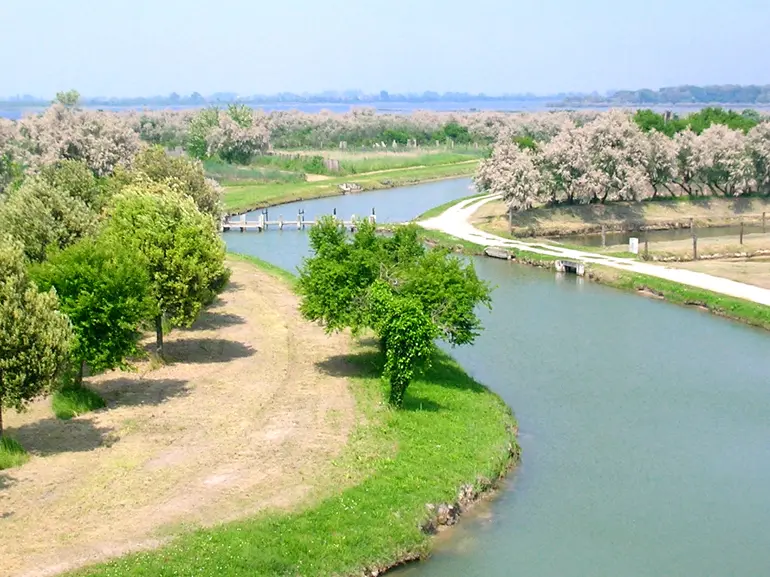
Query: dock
(263,223)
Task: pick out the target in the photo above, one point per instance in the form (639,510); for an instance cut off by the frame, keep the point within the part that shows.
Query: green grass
(240,198)
(12,454)
(437,210)
(734,308)
(313,163)
(230,174)
(276,271)
(441,239)
(71,401)
(451,432)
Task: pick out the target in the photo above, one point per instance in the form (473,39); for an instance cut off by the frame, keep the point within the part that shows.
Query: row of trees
(611,158)
(88,261)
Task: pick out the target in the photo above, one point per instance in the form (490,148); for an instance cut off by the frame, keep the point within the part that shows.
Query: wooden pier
(263,223)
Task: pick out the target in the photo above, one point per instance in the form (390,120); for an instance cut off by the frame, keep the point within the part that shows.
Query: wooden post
(266,217)
(763,223)
(510,220)
(741,231)
(694,241)
(280,222)
(604,236)
(646,249)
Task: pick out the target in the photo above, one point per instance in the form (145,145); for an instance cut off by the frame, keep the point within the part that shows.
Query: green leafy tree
(182,250)
(103,288)
(183,175)
(200,127)
(44,217)
(34,336)
(76,179)
(406,294)
(68,98)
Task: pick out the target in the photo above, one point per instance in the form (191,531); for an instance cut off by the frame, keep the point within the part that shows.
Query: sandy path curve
(456,221)
(243,420)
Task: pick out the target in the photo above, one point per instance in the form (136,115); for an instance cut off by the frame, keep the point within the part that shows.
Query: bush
(72,401)
(12,454)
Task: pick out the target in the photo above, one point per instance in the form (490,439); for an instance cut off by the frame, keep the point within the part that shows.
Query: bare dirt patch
(754,271)
(242,420)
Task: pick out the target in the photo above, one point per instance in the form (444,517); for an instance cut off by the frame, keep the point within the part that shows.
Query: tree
(512,172)
(74,178)
(34,335)
(182,175)
(758,142)
(44,217)
(68,98)
(183,253)
(102,287)
(722,161)
(406,294)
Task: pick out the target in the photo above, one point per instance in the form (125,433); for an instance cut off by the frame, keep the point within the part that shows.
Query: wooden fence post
(741,231)
(510,220)
(604,236)
(694,241)
(763,223)
(646,249)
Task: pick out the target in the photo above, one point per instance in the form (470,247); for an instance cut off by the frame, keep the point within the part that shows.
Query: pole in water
(335,212)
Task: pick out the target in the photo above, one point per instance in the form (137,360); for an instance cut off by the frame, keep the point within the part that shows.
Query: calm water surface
(644,425)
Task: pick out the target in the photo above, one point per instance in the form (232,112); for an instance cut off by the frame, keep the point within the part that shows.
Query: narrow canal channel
(644,425)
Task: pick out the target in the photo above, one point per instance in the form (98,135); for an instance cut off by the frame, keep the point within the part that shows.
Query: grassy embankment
(244,195)
(451,432)
(623,216)
(737,309)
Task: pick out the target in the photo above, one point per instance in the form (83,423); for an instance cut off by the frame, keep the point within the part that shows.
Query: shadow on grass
(202,350)
(136,391)
(212,320)
(6,481)
(443,371)
(52,436)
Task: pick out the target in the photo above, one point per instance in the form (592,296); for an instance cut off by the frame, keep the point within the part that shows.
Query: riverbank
(246,197)
(664,214)
(618,272)
(402,474)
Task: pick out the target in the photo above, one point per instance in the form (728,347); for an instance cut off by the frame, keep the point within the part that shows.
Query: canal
(644,425)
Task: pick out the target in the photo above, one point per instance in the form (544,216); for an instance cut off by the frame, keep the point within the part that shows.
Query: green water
(645,431)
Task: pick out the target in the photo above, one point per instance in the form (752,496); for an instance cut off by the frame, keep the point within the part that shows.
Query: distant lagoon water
(16,112)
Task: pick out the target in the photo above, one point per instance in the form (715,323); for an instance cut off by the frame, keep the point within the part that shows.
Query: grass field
(754,271)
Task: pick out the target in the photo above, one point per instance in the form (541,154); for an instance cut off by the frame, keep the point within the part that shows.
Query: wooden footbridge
(263,223)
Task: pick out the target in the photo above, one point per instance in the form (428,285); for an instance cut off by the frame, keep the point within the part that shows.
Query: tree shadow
(414,403)
(209,320)
(202,350)
(443,371)
(232,286)
(53,436)
(136,391)
(6,481)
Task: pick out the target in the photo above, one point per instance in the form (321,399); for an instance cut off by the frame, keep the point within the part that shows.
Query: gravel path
(456,222)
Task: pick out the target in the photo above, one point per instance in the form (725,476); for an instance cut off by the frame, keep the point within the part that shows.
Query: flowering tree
(511,171)
(758,149)
(660,160)
(102,140)
(722,162)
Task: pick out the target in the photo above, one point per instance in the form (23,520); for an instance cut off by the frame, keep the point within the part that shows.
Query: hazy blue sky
(145,47)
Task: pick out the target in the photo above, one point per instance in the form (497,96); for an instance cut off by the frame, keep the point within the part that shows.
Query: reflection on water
(618,238)
(644,425)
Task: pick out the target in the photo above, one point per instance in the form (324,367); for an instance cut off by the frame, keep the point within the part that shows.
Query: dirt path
(243,420)
(456,221)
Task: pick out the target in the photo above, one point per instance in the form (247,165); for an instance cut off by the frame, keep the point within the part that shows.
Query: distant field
(754,271)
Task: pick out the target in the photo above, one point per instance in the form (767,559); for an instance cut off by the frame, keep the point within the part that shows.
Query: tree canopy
(406,294)
(182,251)
(34,336)
(102,287)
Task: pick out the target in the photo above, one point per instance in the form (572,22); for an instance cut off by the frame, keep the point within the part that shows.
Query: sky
(149,47)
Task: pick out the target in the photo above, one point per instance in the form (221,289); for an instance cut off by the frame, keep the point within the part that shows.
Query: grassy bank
(244,197)
(452,433)
(623,216)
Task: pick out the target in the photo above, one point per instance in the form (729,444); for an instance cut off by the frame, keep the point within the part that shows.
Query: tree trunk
(159,335)
(80,372)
